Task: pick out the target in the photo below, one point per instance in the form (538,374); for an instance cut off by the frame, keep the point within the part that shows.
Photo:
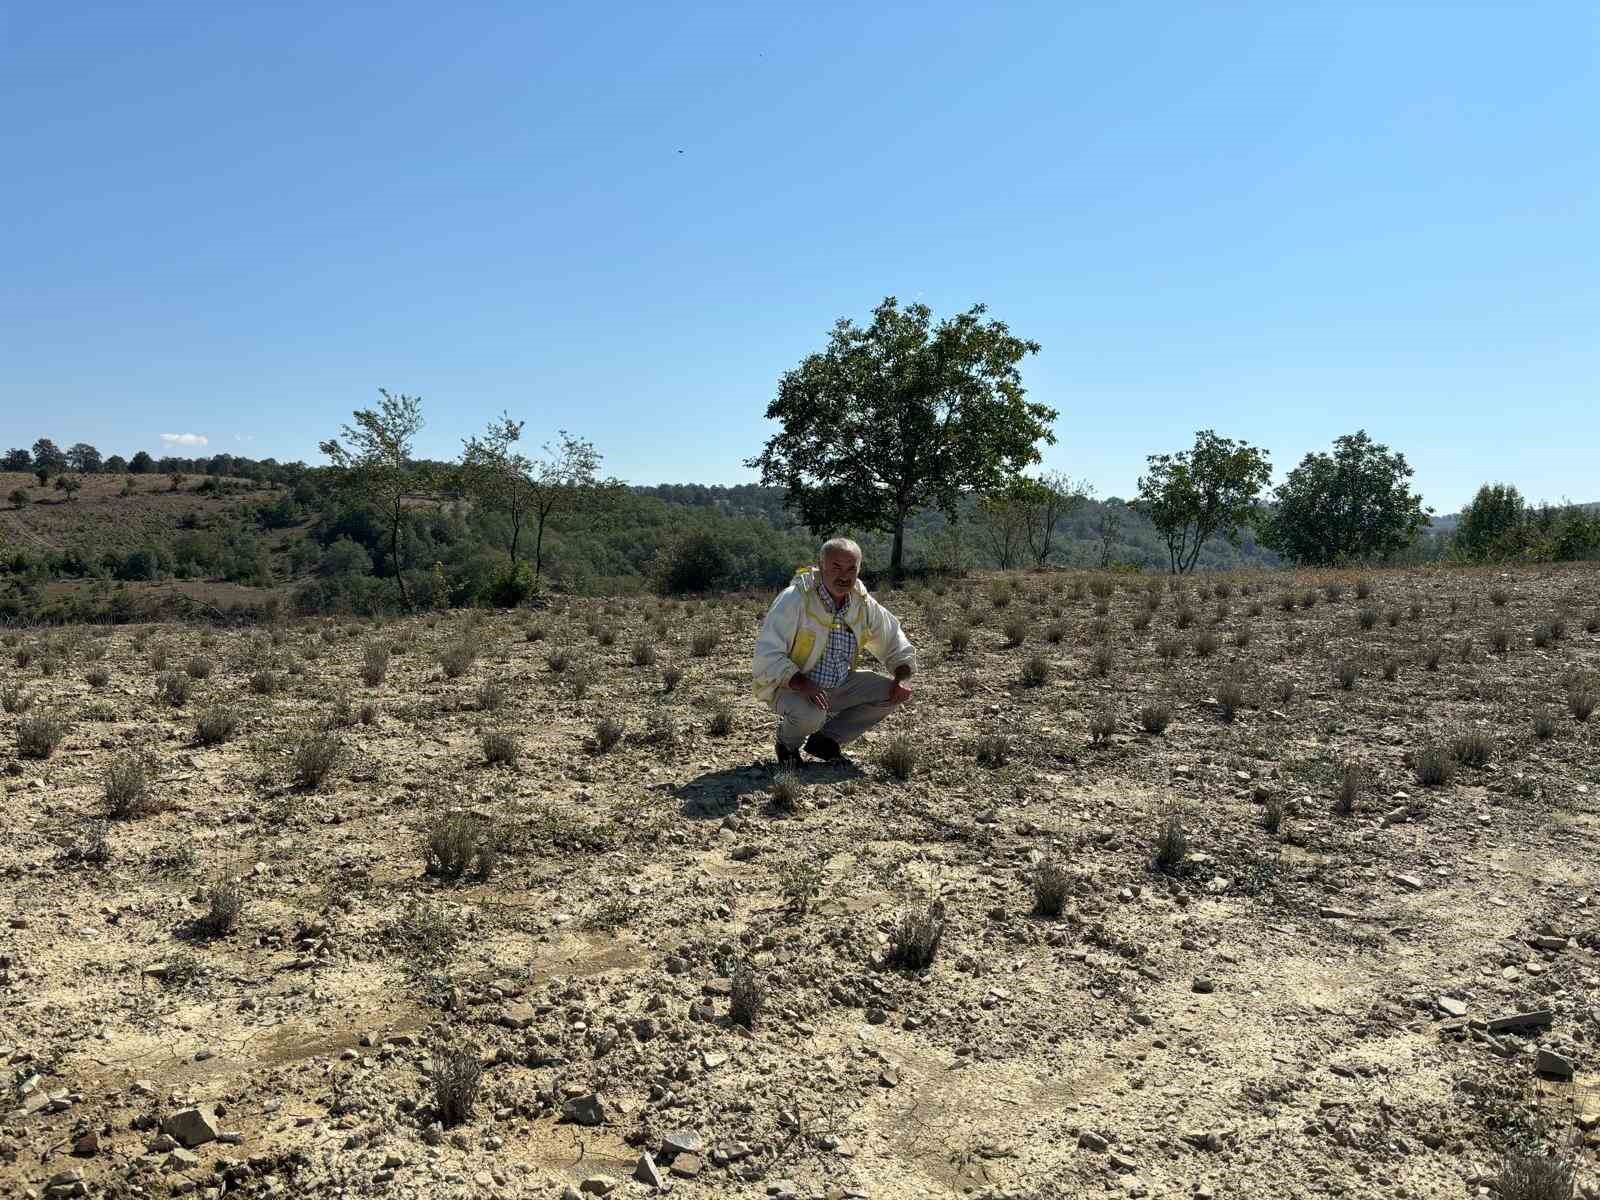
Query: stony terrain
(321,920)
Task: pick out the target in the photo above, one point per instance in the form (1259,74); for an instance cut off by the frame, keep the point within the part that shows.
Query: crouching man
(806,654)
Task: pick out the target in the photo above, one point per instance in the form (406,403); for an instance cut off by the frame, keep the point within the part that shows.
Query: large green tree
(1491,525)
(377,466)
(902,414)
(1195,494)
(1353,505)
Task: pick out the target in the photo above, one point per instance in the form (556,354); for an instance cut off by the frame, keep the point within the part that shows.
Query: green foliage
(1353,505)
(1195,494)
(1491,526)
(694,562)
(899,415)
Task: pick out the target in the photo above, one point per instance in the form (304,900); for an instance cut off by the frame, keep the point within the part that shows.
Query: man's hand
(899,693)
(810,691)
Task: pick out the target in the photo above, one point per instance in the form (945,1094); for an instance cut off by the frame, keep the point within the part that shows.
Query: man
(806,655)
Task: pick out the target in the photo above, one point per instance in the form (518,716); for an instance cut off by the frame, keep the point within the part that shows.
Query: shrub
(1169,648)
(558,660)
(534,633)
(499,748)
(1434,766)
(1205,644)
(1363,589)
(720,723)
(1431,657)
(1334,592)
(1500,639)
(374,664)
(1016,630)
(1140,622)
(127,789)
(644,653)
(1155,716)
(1544,724)
(1230,695)
(800,882)
(1351,781)
(491,695)
(1284,690)
(1346,673)
(1102,724)
(1051,887)
(606,636)
(960,638)
(671,677)
(1368,618)
(1272,814)
(14,700)
(746,994)
(899,756)
(264,682)
(1035,671)
(968,683)
(1392,618)
(216,725)
(457,659)
(1591,623)
(368,714)
(1241,637)
(1582,698)
(785,791)
(456,1075)
(1286,601)
(914,939)
(1498,597)
(174,688)
(1308,598)
(199,667)
(39,735)
(458,844)
(224,903)
(314,757)
(97,677)
(705,640)
(992,749)
(1391,669)
(1534,1177)
(1472,748)
(1184,617)
(1102,659)
(607,733)
(1000,594)
(1172,842)
(1543,635)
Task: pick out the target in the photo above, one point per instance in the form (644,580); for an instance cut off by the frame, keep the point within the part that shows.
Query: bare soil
(1301,1012)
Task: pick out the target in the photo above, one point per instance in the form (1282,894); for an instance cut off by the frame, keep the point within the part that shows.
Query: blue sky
(1282,221)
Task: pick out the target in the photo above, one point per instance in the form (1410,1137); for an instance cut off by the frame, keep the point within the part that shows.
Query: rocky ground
(271,928)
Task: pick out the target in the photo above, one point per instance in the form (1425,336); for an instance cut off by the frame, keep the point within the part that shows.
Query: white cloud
(184,439)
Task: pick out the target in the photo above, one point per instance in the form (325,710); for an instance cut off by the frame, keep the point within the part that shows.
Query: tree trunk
(516,536)
(394,552)
(538,550)
(897,555)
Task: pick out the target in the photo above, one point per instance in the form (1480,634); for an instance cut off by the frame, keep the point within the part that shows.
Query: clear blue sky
(1281,220)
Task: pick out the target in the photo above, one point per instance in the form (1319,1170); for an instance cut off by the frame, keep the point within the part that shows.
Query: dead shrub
(1205,644)
(316,753)
(265,683)
(216,725)
(899,756)
(1035,671)
(14,700)
(746,994)
(1172,842)
(459,844)
(644,653)
(457,1076)
(457,659)
(558,660)
(1155,716)
(671,677)
(992,749)
(1434,766)
(914,939)
(1230,695)
(491,695)
(499,748)
(374,663)
(127,789)
(607,733)
(224,904)
(1582,697)
(1102,659)
(1102,724)
(1051,887)
(174,688)
(1169,648)
(97,677)
(39,735)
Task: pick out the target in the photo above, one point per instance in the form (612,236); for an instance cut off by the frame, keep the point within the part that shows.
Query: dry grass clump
(199,667)
(1155,716)
(899,756)
(671,677)
(1346,672)
(460,844)
(1583,694)
(127,789)
(14,700)
(265,682)
(705,640)
(1051,887)
(607,733)
(960,639)
(914,939)
(1172,841)
(720,723)
(316,753)
(216,725)
(491,696)
(174,688)
(1102,724)
(1367,618)
(1544,724)
(746,994)
(458,658)
(1363,589)
(534,633)
(1102,659)
(1352,780)
(558,660)
(39,735)
(1498,596)
(97,677)
(1500,639)
(1184,617)
(992,749)
(1472,748)
(1434,766)
(785,792)
(1016,630)
(1035,671)
(1230,695)
(1535,1177)
(605,636)
(457,1076)
(644,653)
(1169,647)
(224,904)
(499,748)
(1205,644)
(374,663)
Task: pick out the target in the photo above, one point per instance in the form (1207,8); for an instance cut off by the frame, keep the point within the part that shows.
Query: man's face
(839,571)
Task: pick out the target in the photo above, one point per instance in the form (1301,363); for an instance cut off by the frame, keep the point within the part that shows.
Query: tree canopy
(377,465)
(902,414)
(1352,505)
(1490,526)
(1198,493)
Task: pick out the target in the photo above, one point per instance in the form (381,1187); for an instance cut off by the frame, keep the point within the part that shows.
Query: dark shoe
(824,748)
(787,759)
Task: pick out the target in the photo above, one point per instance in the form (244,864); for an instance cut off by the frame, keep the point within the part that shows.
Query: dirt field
(1311,1010)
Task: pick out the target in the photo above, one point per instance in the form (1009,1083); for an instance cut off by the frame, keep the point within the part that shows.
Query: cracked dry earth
(1311,1011)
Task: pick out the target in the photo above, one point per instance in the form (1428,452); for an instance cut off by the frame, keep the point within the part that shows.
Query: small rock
(597,1185)
(1551,1063)
(1090,1140)
(517,1016)
(1451,1007)
(686,1166)
(683,1141)
(192,1126)
(585,1110)
(1203,985)
(646,1171)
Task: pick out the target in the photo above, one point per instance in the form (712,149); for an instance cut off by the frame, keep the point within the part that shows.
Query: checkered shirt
(834,666)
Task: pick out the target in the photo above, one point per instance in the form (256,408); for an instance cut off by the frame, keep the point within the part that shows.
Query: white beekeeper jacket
(794,634)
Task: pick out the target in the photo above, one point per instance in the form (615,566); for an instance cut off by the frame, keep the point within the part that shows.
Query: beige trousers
(854,707)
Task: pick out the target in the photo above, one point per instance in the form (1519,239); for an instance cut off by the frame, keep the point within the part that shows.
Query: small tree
(18,497)
(141,463)
(1053,497)
(377,465)
(68,484)
(115,465)
(1107,526)
(899,415)
(1006,520)
(175,478)
(530,489)
(42,474)
(47,457)
(16,459)
(85,459)
(1195,494)
(1490,525)
(1351,505)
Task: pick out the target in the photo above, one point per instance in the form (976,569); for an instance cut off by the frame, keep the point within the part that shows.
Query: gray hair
(835,545)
